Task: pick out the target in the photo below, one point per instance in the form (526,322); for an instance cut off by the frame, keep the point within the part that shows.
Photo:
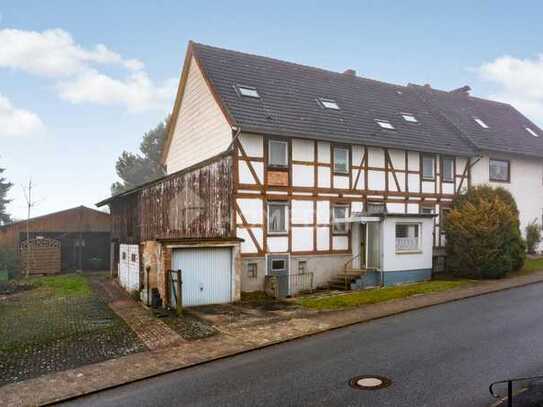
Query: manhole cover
(369,382)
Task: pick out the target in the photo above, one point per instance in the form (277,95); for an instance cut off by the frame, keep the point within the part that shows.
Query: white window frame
(532,132)
(328,104)
(347,163)
(417,238)
(339,228)
(481,123)
(451,160)
(426,177)
(248,91)
(285,207)
(427,210)
(409,117)
(281,165)
(385,124)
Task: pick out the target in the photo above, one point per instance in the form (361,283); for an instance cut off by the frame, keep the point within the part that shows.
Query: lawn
(375,295)
(531,265)
(69,285)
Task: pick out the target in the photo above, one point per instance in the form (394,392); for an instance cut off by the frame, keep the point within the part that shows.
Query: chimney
(349,72)
(464,91)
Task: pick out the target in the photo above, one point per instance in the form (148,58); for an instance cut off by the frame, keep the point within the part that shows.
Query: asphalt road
(445,355)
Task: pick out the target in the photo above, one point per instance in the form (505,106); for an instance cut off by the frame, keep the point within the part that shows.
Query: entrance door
(278,266)
(374,245)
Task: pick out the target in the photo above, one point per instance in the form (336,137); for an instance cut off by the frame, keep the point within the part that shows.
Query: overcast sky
(82,81)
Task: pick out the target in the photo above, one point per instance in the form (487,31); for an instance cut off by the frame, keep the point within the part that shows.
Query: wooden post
(179,296)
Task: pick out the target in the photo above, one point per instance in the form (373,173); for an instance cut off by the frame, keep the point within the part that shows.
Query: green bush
(483,234)
(533,236)
(8,261)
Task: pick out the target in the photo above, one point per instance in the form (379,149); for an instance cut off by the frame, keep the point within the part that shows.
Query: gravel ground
(42,333)
(189,326)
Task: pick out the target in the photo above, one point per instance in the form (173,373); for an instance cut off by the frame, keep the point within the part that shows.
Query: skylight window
(408,117)
(329,103)
(385,124)
(533,133)
(247,91)
(480,123)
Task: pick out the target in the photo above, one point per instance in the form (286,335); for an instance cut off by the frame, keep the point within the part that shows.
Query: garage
(206,274)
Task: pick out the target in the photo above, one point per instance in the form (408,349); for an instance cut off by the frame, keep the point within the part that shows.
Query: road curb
(298,337)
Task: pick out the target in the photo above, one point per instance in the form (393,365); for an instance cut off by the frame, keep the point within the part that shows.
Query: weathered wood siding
(193,204)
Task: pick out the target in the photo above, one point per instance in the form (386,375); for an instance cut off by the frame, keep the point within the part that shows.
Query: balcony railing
(407,244)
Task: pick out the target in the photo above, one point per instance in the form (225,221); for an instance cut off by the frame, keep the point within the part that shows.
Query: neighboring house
(81,236)
(290,170)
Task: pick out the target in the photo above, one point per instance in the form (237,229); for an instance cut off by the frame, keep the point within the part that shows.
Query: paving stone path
(42,333)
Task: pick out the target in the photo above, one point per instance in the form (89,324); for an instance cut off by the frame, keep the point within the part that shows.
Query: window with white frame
(329,103)
(408,117)
(481,123)
(248,91)
(385,124)
(428,167)
(407,237)
(427,210)
(339,212)
(341,160)
(447,169)
(277,217)
(278,153)
(499,170)
(532,132)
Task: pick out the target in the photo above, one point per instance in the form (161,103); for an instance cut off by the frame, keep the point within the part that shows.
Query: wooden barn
(70,240)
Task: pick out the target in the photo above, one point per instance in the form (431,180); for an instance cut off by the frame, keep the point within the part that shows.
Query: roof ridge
(310,67)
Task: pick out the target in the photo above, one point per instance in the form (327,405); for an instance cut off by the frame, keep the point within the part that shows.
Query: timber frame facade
(308,184)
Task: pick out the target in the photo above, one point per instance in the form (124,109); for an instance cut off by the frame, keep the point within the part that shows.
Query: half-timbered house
(314,176)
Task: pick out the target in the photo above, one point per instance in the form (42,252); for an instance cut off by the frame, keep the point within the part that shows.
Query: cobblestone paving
(41,332)
(190,327)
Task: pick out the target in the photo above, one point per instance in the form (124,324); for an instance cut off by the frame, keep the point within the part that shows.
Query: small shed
(81,235)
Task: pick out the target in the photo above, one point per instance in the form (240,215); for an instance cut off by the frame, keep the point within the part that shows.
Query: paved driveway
(445,355)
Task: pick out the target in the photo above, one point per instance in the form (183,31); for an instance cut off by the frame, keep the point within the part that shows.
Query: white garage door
(207,274)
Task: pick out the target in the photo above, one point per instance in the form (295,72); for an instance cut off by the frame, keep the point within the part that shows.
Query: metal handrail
(510,387)
(350,261)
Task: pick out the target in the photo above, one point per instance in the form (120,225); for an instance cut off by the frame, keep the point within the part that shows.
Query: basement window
(480,123)
(248,91)
(533,133)
(385,124)
(329,103)
(408,117)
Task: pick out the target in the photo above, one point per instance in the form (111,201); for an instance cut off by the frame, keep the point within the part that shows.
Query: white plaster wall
(302,239)
(303,175)
(323,212)
(413,161)
(341,182)
(252,210)
(376,157)
(303,150)
(201,129)
(248,246)
(398,159)
(302,212)
(413,183)
(245,175)
(324,177)
(395,207)
(323,238)
(393,261)
(340,242)
(277,244)
(253,144)
(526,185)
(376,180)
(324,152)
